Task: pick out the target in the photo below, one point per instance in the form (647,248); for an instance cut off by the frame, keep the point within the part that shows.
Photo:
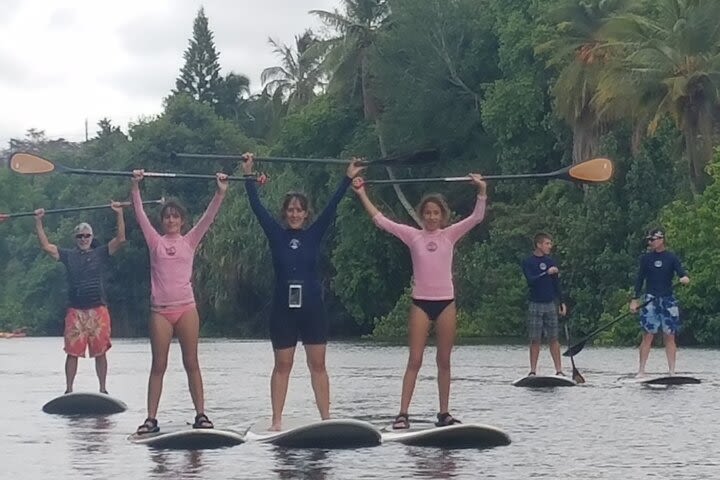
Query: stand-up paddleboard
(539,381)
(84,403)
(188,438)
(333,433)
(667,380)
(459,435)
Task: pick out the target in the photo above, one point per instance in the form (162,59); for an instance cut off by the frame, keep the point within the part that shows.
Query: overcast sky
(64,61)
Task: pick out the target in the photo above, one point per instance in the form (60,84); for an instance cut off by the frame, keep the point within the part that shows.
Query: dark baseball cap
(655,234)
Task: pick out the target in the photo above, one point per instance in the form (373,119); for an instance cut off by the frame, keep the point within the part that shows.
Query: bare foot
(640,375)
(275,427)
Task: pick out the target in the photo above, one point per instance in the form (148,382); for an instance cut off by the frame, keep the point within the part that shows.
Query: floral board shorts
(660,314)
(87,329)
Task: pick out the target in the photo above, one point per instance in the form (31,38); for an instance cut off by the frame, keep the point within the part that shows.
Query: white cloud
(65,61)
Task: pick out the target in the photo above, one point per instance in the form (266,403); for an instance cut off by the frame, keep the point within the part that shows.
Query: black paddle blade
(577,377)
(575,349)
(413,158)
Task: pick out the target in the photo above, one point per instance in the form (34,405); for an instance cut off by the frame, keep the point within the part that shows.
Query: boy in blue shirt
(541,273)
(657,269)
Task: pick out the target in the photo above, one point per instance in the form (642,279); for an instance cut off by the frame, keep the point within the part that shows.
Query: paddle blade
(577,377)
(413,158)
(575,349)
(27,163)
(597,170)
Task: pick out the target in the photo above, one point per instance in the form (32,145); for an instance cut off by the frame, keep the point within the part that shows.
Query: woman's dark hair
(439,200)
(302,200)
(175,206)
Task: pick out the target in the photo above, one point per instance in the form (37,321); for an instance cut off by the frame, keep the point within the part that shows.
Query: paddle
(577,348)
(78,209)
(596,170)
(576,375)
(27,163)
(412,158)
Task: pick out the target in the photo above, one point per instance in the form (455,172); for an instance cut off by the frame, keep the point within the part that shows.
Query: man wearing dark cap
(657,269)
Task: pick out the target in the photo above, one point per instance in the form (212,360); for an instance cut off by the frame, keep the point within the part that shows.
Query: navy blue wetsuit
(295,257)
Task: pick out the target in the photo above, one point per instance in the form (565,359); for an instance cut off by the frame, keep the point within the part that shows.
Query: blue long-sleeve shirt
(656,272)
(295,253)
(544,288)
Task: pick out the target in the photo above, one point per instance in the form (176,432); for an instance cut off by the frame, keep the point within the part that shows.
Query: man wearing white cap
(657,269)
(87,321)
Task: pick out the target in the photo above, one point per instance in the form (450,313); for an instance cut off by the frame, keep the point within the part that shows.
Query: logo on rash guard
(170,251)
(658,263)
(431,246)
(543,267)
(294,243)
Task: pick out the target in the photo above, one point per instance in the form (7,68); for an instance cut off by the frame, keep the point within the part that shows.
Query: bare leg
(418,327)
(71,365)
(187,331)
(445,335)
(161,333)
(645,347)
(670,351)
(101,368)
(534,354)
(318,375)
(555,354)
(279,384)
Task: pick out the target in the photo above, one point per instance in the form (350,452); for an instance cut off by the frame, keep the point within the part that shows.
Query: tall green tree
(200,75)
(671,67)
(576,25)
(348,59)
(296,79)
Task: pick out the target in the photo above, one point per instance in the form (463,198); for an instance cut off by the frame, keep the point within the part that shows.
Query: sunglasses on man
(83,235)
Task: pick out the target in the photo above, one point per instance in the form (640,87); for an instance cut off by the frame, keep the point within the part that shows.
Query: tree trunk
(372,113)
(697,133)
(586,134)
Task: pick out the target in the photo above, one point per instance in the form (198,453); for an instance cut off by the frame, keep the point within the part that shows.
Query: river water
(606,429)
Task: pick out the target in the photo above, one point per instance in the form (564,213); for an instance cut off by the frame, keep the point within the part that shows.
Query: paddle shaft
(114,173)
(78,209)
(422,156)
(519,176)
(575,349)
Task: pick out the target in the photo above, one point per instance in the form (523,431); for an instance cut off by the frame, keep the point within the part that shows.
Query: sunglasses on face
(83,235)
(653,239)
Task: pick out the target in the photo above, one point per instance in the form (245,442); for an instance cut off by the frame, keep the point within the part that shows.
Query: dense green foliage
(498,86)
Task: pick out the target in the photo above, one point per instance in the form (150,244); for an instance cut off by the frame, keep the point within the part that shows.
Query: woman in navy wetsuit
(298,311)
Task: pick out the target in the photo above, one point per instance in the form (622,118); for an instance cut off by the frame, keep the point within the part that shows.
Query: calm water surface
(607,429)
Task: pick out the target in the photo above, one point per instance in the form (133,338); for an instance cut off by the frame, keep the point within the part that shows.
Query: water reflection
(292,464)
(176,463)
(89,440)
(433,463)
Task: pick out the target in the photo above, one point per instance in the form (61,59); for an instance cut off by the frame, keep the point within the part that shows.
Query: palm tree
(347,58)
(574,50)
(299,74)
(671,68)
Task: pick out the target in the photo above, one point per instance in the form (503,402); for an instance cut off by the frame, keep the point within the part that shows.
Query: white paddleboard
(667,380)
(84,403)
(459,435)
(333,433)
(188,438)
(539,381)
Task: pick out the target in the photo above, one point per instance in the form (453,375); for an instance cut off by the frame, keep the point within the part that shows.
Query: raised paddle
(596,170)
(30,164)
(576,375)
(405,159)
(78,209)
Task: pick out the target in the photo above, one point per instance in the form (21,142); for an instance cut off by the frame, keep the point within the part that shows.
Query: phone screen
(295,296)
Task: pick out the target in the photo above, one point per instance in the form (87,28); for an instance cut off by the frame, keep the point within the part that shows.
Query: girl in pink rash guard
(433,294)
(172,301)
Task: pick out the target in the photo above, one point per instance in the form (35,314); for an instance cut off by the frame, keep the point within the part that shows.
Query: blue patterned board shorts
(660,314)
(542,319)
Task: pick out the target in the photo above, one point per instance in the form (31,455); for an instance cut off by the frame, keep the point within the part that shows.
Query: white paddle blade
(27,163)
